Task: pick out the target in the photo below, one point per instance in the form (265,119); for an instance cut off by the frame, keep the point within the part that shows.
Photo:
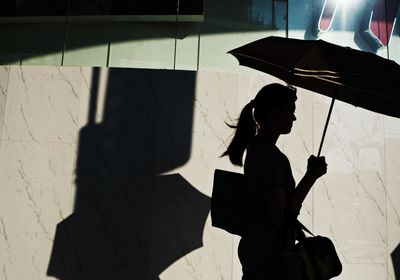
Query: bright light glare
(347,6)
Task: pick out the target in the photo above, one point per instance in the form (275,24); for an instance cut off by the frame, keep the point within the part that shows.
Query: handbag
(321,260)
(229,212)
(228,203)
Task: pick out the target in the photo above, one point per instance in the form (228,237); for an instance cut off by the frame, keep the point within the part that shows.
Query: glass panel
(187,46)
(20,43)
(243,22)
(84,46)
(145,45)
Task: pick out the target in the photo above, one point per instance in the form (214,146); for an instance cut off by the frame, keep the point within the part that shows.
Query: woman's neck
(268,136)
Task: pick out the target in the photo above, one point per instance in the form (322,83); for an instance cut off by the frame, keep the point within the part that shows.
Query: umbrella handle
(327,122)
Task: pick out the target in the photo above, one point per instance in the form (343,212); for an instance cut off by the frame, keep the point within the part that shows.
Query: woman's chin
(287,131)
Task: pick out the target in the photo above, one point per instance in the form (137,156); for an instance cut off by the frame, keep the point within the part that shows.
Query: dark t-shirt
(265,167)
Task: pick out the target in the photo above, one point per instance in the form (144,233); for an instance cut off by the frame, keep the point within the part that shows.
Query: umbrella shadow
(129,220)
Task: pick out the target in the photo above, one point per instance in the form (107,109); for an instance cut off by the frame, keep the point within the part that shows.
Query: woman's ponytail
(246,129)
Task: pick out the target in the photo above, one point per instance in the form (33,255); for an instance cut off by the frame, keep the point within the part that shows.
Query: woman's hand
(316,167)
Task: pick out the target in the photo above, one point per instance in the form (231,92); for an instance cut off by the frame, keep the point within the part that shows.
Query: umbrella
(359,78)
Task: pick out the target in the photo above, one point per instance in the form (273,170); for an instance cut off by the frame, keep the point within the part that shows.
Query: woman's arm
(315,169)
(276,196)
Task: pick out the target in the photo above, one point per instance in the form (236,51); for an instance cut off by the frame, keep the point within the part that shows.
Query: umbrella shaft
(327,122)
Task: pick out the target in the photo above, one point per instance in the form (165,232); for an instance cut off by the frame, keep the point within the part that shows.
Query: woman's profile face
(288,117)
(280,120)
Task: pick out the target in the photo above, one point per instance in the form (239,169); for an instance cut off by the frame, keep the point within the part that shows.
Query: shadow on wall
(395,255)
(129,221)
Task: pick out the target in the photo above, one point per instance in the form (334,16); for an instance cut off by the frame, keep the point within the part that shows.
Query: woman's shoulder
(260,150)
(260,158)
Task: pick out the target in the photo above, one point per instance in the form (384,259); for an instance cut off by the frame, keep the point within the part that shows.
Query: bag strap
(299,227)
(303,227)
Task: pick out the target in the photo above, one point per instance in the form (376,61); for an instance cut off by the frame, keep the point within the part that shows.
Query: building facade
(112,125)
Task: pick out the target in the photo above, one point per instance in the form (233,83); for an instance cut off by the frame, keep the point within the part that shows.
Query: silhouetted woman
(271,191)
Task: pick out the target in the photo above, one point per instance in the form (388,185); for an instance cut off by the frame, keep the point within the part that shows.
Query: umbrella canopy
(359,78)
(135,229)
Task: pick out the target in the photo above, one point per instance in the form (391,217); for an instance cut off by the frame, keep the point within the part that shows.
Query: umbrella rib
(326,72)
(339,83)
(296,69)
(317,71)
(317,76)
(321,77)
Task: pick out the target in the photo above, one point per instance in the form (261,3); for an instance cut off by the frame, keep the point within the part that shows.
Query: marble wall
(4,75)
(106,173)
